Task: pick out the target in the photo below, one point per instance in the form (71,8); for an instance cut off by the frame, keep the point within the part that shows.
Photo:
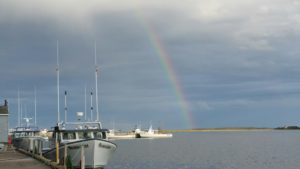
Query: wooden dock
(12,159)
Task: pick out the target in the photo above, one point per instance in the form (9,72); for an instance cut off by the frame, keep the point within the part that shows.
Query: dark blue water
(211,150)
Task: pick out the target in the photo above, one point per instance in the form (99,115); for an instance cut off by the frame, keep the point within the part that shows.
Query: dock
(13,159)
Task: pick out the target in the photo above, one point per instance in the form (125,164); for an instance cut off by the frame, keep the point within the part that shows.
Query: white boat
(79,142)
(97,149)
(112,135)
(152,134)
(28,138)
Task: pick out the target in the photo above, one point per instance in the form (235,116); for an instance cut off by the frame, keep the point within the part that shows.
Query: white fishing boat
(152,134)
(80,142)
(28,138)
(112,135)
(89,135)
(119,135)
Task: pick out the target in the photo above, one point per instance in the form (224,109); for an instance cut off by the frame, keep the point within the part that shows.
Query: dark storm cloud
(234,59)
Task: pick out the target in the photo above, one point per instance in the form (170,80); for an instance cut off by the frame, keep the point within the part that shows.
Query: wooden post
(57,146)
(82,157)
(57,152)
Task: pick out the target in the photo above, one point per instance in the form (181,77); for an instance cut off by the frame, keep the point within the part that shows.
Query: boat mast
(91,106)
(96,81)
(66,106)
(35,106)
(85,112)
(58,114)
(19,124)
(57,71)
(21,113)
(25,112)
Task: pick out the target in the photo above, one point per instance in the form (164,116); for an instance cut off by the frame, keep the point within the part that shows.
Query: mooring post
(82,158)
(57,140)
(57,152)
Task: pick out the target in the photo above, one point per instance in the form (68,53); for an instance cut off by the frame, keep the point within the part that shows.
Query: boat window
(72,136)
(65,136)
(87,135)
(103,135)
(17,135)
(59,136)
(97,134)
(80,135)
(36,133)
(54,135)
(69,136)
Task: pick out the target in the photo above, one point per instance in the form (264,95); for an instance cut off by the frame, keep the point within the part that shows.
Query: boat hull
(120,137)
(29,143)
(146,135)
(97,152)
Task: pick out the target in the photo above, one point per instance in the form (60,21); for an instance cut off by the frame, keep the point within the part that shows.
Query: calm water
(220,150)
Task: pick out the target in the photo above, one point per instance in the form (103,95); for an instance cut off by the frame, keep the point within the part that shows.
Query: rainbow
(167,64)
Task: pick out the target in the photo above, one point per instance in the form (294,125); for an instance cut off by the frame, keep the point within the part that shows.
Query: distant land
(231,129)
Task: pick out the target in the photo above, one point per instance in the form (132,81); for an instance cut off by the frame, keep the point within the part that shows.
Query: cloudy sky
(175,64)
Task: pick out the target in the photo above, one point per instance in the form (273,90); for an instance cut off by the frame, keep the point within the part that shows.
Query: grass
(218,130)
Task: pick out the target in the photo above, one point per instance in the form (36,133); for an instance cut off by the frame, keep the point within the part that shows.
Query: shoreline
(224,130)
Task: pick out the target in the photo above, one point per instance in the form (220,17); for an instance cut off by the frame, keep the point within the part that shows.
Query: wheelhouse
(80,132)
(25,132)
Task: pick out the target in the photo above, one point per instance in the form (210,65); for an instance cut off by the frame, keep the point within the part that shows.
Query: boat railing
(29,128)
(79,125)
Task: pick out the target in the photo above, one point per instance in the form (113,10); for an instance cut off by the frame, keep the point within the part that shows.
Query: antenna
(96,81)
(66,109)
(57,71)
(58,114)
(85,112)
(21,112)
(19,124)
(35,106)
(25,110)
(114,125)
(91,106)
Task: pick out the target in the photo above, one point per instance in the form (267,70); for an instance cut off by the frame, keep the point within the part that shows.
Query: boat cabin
(25,132)
(78,133)
(71,135)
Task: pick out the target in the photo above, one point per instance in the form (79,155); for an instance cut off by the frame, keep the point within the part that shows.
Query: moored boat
(79,143)
(28,138)
(152,134)
(89,135)
(112,135)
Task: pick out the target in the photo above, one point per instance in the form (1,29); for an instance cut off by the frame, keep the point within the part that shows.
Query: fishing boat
(28,138)
(80,143)
(118,135)
(112,135)
(151,134)
(89,135)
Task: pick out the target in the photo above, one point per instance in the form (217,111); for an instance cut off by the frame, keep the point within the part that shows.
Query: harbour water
(211,150)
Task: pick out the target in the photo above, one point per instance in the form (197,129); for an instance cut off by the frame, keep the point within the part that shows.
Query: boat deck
(11,159)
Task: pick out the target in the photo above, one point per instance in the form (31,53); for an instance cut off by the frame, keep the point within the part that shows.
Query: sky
(170,63)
